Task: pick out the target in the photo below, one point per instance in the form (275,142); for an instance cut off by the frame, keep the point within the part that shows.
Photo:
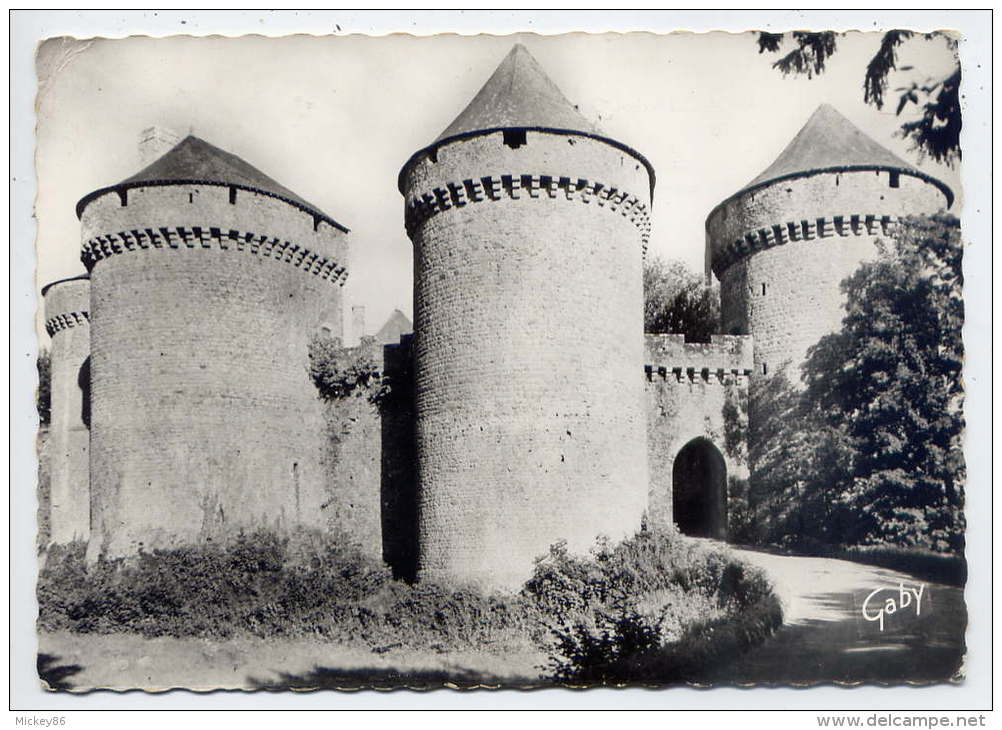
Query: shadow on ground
(383,678)
(54,674)
(842,651)
(825,637)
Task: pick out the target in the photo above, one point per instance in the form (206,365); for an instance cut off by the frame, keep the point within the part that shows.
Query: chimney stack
(155,142)
(357,324)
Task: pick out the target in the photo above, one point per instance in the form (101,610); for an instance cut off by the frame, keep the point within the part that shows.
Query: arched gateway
(699,490)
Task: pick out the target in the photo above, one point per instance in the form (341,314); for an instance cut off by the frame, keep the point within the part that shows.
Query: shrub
(339,372)
(599,616)
(262,585)
(655,591)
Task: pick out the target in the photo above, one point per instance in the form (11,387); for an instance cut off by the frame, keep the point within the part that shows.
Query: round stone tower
(528,228)
(208,281)
(782,244)
(67,320)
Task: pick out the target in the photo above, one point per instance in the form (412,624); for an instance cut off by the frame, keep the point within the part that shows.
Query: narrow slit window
(895,180)
(763,288)
(83,381)
(765,369)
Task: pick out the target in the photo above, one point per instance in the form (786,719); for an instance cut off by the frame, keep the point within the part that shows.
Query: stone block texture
(781,251)
(204,420)
(67,320)
(352,461)
(528,334)
(369,460)
(696,392)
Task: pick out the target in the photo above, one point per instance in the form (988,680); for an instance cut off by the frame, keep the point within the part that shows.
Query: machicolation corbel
(205,237)
(419,208)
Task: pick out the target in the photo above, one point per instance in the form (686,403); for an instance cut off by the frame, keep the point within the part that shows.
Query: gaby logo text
(886,601)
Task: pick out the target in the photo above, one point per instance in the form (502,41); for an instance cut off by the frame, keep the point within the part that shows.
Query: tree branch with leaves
(935,133)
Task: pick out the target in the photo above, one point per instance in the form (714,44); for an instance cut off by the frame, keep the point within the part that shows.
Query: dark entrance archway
(699,490)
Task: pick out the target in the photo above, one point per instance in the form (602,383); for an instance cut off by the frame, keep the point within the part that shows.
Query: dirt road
(826,638)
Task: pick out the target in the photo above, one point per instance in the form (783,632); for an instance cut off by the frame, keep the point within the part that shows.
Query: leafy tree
(43,396)
(892,376)
(677,300)
(867,451)
(801,462)
(935,133)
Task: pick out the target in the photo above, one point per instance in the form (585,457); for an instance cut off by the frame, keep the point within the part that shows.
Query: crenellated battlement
(838,226)
(693,375)
(420,207)
(724,360)
(100,247)
(65,321)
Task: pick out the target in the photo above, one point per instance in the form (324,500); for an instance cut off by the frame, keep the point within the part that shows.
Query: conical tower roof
(518,94)
(57,282)
(829,142)
(396,324)
(195,161)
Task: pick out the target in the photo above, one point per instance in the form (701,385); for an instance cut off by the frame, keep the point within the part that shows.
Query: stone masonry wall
(67,320)
(694,390)
(781,251)
(528,332)
(352,461)
(369,458)
(204,420)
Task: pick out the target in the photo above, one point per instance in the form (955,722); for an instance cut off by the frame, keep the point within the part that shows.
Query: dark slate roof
(81,277)
(829,143)
(829,140)
(519,95)
(195,161)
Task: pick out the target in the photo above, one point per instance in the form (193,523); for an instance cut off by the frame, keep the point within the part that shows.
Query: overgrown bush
(261,585)
(339,372)
(655,593)
(595,615)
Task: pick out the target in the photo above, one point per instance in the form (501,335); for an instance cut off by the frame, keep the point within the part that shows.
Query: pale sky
(334,118)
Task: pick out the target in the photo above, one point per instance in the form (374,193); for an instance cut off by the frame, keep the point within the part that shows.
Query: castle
(535,410)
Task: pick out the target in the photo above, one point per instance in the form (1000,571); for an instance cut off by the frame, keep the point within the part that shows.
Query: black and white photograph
(501,362)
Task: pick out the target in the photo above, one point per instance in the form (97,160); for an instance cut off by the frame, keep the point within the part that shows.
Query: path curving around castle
(825,637)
